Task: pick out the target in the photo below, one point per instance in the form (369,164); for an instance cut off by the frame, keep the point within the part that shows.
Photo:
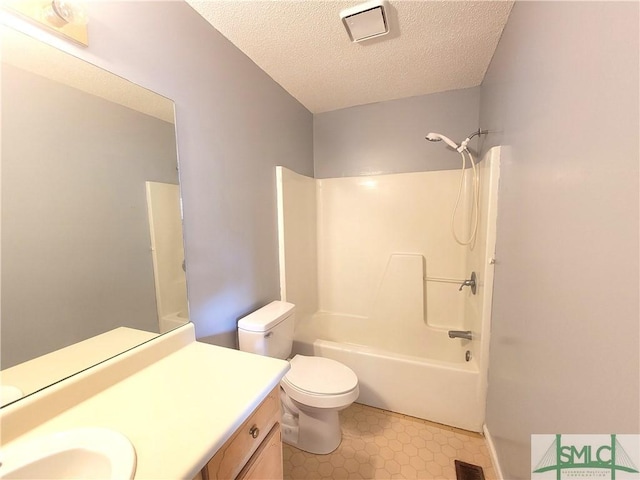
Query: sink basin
(82,453)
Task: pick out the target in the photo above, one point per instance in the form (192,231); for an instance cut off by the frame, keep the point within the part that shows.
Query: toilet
(313,391)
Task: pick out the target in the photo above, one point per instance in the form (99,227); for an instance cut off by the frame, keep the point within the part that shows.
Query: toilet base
(319,431)
(314,430)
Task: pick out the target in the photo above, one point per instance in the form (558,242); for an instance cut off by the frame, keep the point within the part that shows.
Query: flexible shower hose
(476,195)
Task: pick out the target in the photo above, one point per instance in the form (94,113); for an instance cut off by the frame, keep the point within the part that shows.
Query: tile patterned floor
(378,444)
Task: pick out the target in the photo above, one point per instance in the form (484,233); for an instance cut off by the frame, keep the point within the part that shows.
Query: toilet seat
(320,382)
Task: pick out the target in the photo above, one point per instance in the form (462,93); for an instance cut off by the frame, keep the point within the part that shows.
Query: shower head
(436,137)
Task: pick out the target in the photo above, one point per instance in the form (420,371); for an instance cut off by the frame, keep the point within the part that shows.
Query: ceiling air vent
(365,21)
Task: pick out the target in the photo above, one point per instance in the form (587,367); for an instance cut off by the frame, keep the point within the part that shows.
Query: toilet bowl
(312,392)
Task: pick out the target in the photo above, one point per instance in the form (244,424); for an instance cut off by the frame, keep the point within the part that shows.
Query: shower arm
(463,145)
(479,132)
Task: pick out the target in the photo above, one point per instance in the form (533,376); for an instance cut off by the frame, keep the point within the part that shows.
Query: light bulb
(62,12)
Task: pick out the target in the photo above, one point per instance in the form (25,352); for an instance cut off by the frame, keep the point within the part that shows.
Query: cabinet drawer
(235,453)
(266,463)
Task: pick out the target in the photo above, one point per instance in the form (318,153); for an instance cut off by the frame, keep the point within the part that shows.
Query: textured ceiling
(37,57)
(433,46)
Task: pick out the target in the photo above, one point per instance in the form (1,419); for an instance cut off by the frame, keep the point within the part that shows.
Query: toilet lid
(321,376)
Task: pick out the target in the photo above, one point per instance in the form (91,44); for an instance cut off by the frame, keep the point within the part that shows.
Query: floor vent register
(468,471)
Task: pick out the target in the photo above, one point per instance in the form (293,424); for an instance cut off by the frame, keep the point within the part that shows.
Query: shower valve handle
(469,283)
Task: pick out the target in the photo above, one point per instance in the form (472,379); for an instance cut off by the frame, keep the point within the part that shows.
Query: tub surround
(387,285)
(178,401)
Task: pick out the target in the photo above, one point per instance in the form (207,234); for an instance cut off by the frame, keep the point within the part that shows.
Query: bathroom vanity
(191,410)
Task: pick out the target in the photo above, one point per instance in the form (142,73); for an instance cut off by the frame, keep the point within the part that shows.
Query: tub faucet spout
(466,334)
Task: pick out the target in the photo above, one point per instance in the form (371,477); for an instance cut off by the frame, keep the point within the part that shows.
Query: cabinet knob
(254,431)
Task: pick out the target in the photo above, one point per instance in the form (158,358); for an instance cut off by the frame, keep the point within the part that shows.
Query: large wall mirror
(92,260)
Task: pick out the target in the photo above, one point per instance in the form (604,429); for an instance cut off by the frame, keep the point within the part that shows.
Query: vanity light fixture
(366,21)
(64,17)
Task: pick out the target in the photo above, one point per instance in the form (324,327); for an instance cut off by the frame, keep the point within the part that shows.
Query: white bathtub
(427,377)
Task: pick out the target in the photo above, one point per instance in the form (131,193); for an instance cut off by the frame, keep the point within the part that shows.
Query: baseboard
(492,452)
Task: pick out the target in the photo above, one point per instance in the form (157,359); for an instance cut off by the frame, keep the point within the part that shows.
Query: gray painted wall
(235,124)
(76,259)
(562,95)
(388,137)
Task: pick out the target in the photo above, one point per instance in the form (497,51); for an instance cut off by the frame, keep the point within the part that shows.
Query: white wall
(388,137)
(562,94)
(234,125)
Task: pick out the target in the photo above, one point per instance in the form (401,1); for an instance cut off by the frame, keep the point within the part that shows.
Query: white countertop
(179,410)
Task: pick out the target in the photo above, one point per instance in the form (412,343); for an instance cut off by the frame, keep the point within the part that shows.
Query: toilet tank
(268,331)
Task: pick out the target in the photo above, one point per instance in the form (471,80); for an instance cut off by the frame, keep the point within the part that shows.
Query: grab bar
(466,334)
(443,280)
(472,282)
